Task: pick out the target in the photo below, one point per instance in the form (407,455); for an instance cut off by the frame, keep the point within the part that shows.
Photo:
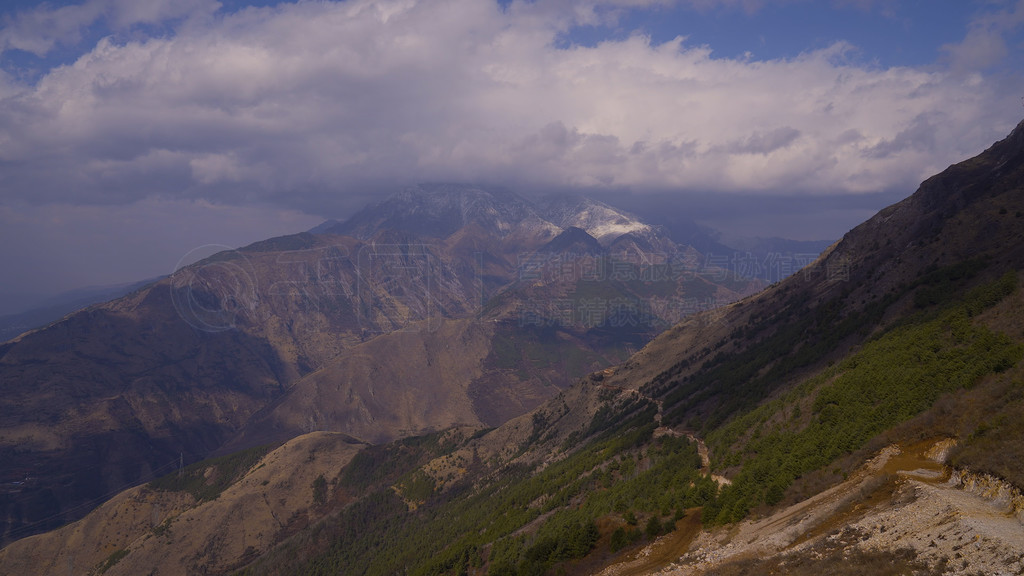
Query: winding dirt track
(901,498)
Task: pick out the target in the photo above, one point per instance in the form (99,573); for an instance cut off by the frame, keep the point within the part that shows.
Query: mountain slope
(279,338)
(178,367)
(56,307)
(185,525)
(553,324)
(898,333)
(586,472)
(908,329)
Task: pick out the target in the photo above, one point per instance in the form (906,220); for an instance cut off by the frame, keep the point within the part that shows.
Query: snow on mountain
(599,219)
(438,210)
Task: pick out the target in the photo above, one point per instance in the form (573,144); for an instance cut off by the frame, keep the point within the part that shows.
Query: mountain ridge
(196,363)
(595,452)
(607,465)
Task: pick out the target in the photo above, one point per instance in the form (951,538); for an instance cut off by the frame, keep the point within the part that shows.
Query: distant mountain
(56,307)
(439,210)
(178,367)
(570,307)
(861,415)
(17,302)
(598,219)
(324,226)
(676,221)
(573,241)
(767,259)
(764,246)
(442,305)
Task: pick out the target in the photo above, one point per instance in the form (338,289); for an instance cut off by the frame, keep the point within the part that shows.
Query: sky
(134,132)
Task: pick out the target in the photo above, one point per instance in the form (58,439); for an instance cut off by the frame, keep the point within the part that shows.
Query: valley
(859,416)
(896,337)
(511,288)
(478,313)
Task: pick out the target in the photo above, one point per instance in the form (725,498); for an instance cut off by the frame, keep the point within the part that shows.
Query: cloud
(984,46)
(765,143)
(309,105)
(920,135)
(39,30)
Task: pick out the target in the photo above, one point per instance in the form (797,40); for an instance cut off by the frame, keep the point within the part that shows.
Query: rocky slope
(111,394)
(812,399)
(189,531)
(902,504)
(905,329)
(321,332)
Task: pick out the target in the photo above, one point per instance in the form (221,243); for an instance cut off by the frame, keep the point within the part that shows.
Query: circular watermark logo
(213,287)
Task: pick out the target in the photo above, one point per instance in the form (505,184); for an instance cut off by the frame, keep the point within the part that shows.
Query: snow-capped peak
(599,219)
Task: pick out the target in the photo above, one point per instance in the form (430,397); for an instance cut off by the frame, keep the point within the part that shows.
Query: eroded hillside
(827,407)
(906,330)
(478,313)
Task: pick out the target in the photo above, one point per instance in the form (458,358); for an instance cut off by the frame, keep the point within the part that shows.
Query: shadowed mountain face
(444,305)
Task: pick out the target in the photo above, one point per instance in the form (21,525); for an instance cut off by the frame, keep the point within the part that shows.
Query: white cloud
(984,45)
(299,103)
(39,30)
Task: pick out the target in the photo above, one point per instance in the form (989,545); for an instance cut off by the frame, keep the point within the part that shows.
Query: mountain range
(54,308)
(443,305)
(860,416)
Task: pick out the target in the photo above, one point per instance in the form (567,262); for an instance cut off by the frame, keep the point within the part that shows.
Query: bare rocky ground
(902,501)
(147,531)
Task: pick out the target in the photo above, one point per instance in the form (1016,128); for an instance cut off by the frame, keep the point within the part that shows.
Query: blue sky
(910,35)
(885,33)
(132,131)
